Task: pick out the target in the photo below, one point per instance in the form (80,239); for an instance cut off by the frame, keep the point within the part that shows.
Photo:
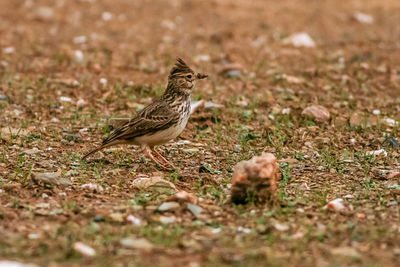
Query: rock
(167,219)
(391,122)
(6,263)
(378,152)
(4,98)
(336,205)
(200,58)
(281,227)
(363,18)
(346,252)
(134,220)
(93,187)
(301,39)
(255,180)
(139,243)
(52,178)
(241,229)
(317,112)
(166,206)
(194,209)
(234,74)
(9,50)
(391,142)
(83,249)
(65,99)
(183,196)
(155,183)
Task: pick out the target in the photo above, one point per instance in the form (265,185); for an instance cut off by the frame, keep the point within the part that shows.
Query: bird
(162,120)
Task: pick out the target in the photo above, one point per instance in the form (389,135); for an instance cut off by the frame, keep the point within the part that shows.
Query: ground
(69,68)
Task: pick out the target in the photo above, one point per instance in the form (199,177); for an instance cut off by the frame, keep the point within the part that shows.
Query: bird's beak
(201,76)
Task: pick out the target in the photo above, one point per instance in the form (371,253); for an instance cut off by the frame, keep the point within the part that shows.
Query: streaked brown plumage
(160,121)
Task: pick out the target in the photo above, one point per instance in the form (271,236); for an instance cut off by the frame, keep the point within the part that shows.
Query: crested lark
(162,120)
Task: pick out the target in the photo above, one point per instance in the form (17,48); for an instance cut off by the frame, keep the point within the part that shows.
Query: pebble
(336,205)
(4,98)
(363,18)
(167,219)
(85,250)
(139,243)
(301,39)
(194,209)
(9,50)
(134,220)
(166,206)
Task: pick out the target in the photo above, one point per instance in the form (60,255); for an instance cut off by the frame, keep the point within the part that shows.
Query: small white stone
(286,111)
(391,122)
(167,219)
(216,230)
(301,39)
(336,204)
(103,81)
(376,112)
(378,152)
(93,187)
(352,140)
(84,249)
(106,16)
(9,50)
(65,99)
(134,220)
(364,18)
(244,230)
(32,236)
(281,227)
(78,55)
(80,102)
(54,119)
(200,58)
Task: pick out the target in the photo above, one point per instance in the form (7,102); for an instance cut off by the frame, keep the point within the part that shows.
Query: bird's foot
(164,160)
(164,166)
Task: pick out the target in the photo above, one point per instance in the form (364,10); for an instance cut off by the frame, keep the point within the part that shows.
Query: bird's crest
(180,67)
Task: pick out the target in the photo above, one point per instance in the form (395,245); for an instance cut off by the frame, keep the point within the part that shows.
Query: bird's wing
(155,117)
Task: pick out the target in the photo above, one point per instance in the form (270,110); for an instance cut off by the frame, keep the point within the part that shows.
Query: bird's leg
(162,158)
(148,153)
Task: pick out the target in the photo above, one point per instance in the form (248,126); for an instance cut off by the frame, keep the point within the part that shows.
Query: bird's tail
(92,152)
(104,145)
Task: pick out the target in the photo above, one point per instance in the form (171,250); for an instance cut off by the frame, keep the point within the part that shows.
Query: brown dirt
(353,70)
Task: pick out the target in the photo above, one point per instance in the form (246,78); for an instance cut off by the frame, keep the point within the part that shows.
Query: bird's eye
(189,76)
